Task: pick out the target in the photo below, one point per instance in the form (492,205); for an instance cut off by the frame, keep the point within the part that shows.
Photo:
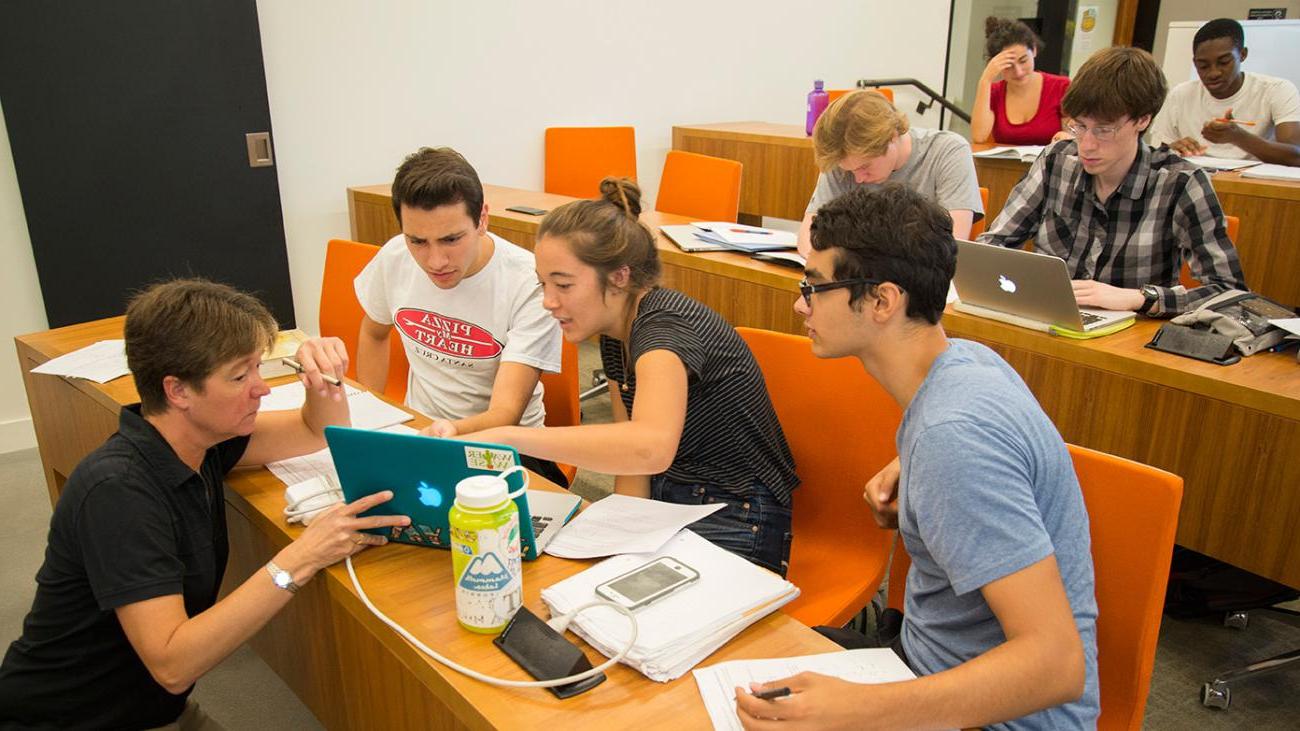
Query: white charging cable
(559,624)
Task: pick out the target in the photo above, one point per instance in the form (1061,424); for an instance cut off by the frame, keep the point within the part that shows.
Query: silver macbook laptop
(1023,288)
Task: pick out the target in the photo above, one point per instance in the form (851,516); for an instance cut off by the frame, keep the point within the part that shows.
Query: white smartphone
(648,583)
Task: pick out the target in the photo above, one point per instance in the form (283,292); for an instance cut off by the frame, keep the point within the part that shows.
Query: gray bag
(1242,316)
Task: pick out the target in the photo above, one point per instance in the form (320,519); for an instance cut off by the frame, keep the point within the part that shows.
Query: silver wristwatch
(281,578)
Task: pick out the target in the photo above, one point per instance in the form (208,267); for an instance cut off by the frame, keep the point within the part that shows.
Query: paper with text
(718,683)
(623,524)
(101,362)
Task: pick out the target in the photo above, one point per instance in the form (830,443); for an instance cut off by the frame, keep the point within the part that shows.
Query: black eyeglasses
(808,290)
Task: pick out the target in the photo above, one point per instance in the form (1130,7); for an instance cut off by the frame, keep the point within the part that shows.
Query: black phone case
(545,654)
(1192,343)
(527,210)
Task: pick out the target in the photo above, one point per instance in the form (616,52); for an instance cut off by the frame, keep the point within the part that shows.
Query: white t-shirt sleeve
(372,286)
(533,337)
(1285,102)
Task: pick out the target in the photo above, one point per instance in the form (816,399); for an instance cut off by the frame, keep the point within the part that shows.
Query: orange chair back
(699,186)
(840,425)
(1133,516)
(340,312)
(833,94)
(578,158)
(561,397)
(977,228)
(1133,513)
(1185,278)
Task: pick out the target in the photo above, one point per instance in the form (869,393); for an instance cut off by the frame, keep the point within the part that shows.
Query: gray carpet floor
(243,693)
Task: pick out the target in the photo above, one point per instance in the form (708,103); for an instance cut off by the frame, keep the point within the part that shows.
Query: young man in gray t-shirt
(1000,620)
(863,141)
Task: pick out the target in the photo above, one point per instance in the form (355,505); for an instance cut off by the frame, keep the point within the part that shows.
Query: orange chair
(1133,515)
(840,425)
(340,313)
(701,187)
(977,228)
(561,397)
(578,158)
(1185,278)
(833,94)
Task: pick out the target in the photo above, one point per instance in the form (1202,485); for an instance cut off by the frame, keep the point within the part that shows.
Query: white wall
(354,87)
(1176,10)
(20,301)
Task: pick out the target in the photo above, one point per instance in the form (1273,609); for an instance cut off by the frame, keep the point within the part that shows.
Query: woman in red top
(1024,106)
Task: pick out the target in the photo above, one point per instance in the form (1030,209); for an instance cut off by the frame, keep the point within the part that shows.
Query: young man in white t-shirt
(1227,112)
(465,302)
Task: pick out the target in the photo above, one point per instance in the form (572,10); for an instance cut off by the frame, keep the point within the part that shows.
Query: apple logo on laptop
(430,496)
(1006,284)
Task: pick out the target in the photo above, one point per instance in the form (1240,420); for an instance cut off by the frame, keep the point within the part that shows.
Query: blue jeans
(755,527)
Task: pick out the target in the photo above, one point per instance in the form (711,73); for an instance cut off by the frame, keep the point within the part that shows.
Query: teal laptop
(423,471)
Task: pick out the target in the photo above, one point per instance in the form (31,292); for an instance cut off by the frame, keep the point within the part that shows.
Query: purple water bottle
(817,100)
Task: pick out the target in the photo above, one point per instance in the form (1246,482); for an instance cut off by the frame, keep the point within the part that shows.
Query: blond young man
(862,141)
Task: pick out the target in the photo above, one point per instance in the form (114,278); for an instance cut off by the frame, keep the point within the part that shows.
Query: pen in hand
(773,693)
(331,380)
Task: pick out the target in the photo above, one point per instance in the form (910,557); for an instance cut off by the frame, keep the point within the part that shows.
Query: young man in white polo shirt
(465,302)
(1227,112)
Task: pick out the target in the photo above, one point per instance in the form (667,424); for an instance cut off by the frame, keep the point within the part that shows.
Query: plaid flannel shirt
(1163,212)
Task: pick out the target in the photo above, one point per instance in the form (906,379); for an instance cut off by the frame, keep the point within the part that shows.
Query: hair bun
(991,24)
(623,193)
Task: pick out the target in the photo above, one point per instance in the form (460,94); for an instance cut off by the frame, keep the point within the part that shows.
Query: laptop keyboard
(1090,319)
(540,522)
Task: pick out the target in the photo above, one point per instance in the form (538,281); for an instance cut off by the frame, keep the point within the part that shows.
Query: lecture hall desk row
(779,178)
(353,671)
(1233,432)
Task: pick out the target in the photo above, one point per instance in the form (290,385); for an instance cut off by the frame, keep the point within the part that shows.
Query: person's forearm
(319,411)
(203,641)
(625,448)
(981,114)
(489,419)
(803,242)
(1277,153)
(1029,676)
(372,362)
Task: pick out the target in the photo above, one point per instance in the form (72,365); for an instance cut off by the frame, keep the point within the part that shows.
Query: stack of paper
(624,524)
(740,237)
(718,683)
(101,362)
(1025,153)
(1272,172)
(368,410)
(680,630)
(1220,163)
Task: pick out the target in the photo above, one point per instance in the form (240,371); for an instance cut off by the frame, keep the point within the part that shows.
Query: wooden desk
(1232,432)
(348,667)
(780,176)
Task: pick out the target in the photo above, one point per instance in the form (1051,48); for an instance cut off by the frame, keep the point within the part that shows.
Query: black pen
(331,380)
(773,694)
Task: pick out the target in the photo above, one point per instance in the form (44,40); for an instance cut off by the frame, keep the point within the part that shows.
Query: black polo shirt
(133,523)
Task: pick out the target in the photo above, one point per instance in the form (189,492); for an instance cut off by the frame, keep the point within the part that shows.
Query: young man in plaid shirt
(1123,216)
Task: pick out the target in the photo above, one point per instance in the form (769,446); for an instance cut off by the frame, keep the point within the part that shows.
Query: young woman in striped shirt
(693,422)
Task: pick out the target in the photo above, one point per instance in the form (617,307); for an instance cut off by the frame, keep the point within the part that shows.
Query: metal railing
(922,106)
